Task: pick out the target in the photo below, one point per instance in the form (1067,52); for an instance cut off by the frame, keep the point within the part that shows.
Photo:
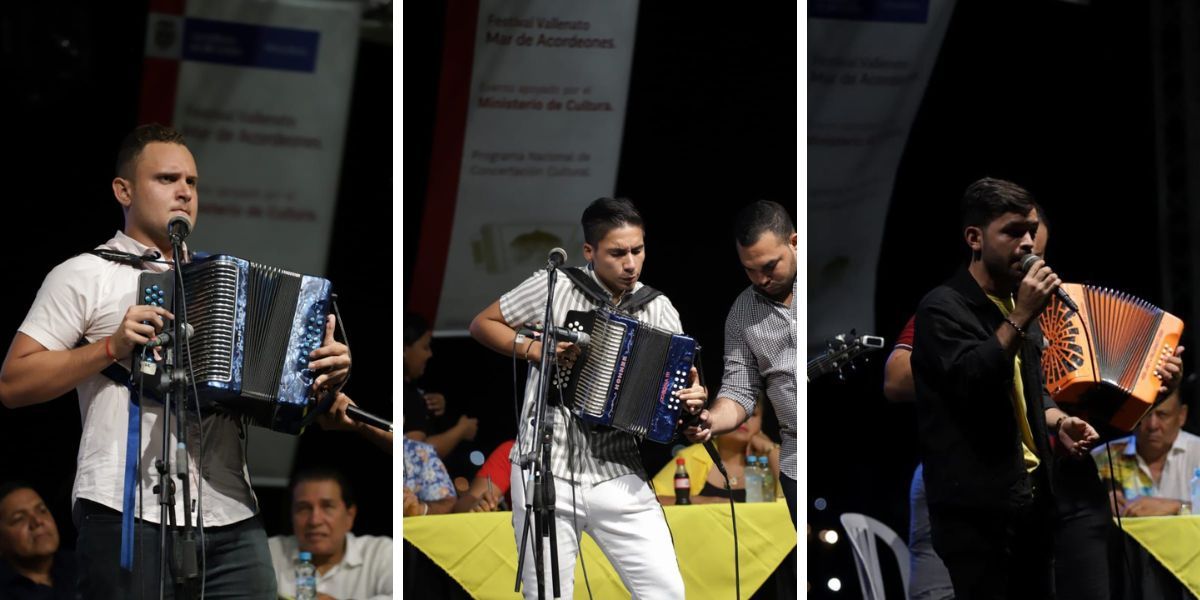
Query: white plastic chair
(862,530)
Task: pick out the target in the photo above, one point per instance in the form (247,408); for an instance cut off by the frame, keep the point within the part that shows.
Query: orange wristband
(107,351)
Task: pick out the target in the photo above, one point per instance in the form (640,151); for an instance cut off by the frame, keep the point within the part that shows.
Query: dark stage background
(72,73)
(1056,96)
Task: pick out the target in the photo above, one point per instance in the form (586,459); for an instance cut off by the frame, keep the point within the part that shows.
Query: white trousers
(625,519)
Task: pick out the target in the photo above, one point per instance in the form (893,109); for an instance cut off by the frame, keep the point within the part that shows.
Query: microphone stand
(181,551)
(541,502)
(185,560)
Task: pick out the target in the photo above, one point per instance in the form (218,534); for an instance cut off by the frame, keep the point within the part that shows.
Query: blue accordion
(253,329)
(629,376)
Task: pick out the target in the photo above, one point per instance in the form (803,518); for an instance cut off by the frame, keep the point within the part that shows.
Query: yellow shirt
(1018,396)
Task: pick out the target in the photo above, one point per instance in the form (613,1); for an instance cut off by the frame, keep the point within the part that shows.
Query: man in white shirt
(348,566)
(85,320)
(1154,467)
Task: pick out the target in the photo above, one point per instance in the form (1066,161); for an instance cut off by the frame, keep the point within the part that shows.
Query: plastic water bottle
(768,479)
(683,484)
(754,480)
(1196,492)
(306,578)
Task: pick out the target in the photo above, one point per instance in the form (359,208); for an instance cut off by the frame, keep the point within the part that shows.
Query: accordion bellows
(1104,357)
(629,376)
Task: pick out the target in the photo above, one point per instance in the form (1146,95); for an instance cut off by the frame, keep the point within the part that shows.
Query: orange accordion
(1104,357)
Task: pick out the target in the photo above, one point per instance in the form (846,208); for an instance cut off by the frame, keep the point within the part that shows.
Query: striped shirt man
(592,454)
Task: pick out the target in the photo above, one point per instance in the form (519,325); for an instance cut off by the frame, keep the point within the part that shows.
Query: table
(479,551)
(1174,542)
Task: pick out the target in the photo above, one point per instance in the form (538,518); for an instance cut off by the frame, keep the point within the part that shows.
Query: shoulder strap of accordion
(135,261)
(587,285)
(125,258)
(591,289)
(641,298)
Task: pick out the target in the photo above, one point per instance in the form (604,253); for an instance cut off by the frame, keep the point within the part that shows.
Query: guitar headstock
(841,351)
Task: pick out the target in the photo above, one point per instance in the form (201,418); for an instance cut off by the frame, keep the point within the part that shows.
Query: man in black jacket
(981,405)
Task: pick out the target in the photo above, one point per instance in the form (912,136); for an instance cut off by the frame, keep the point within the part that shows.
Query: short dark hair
(135,141)
(415,326)
(9,487)
(323,473)
(987,199)
(606,214)
(1043,218)
(760,217)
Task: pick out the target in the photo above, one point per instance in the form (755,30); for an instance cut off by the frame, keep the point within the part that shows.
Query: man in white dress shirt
(348,566)
(1155,465)
(84,321)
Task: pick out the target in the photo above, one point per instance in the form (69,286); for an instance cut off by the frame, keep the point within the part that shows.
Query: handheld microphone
(1060,293)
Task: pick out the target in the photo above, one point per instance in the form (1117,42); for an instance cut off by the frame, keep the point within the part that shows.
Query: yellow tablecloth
(1174,541)
(479,551)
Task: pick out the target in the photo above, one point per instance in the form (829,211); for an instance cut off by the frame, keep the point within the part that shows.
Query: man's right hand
(142,322)
(1034,292)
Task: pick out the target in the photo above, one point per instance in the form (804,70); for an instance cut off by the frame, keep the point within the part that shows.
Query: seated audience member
(491,482)
(708,486)
(31,565)
(427,486)
(421,408)
(348,566)
(1154,466)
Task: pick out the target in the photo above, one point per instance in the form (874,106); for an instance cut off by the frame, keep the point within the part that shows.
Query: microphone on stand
(558,256)
(165,337)
(178,228)
(560,333)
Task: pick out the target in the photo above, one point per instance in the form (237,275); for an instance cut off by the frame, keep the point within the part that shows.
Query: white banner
(548,86)
(867,72)
(261,92)
(262,97)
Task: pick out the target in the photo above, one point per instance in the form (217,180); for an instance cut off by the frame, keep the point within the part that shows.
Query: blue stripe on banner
(895,11)
(133,448)
(240,44)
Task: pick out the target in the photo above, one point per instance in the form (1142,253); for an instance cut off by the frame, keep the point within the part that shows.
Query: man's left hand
(1171,371)
(332,360)
(1077,436)
(1147,506)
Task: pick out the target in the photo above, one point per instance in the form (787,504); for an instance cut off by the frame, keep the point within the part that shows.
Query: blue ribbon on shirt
(133,449)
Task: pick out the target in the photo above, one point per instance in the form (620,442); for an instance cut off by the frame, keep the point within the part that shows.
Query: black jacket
(968,435)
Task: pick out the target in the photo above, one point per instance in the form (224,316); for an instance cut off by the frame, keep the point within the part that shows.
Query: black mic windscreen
(179,227)
(1028,261)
